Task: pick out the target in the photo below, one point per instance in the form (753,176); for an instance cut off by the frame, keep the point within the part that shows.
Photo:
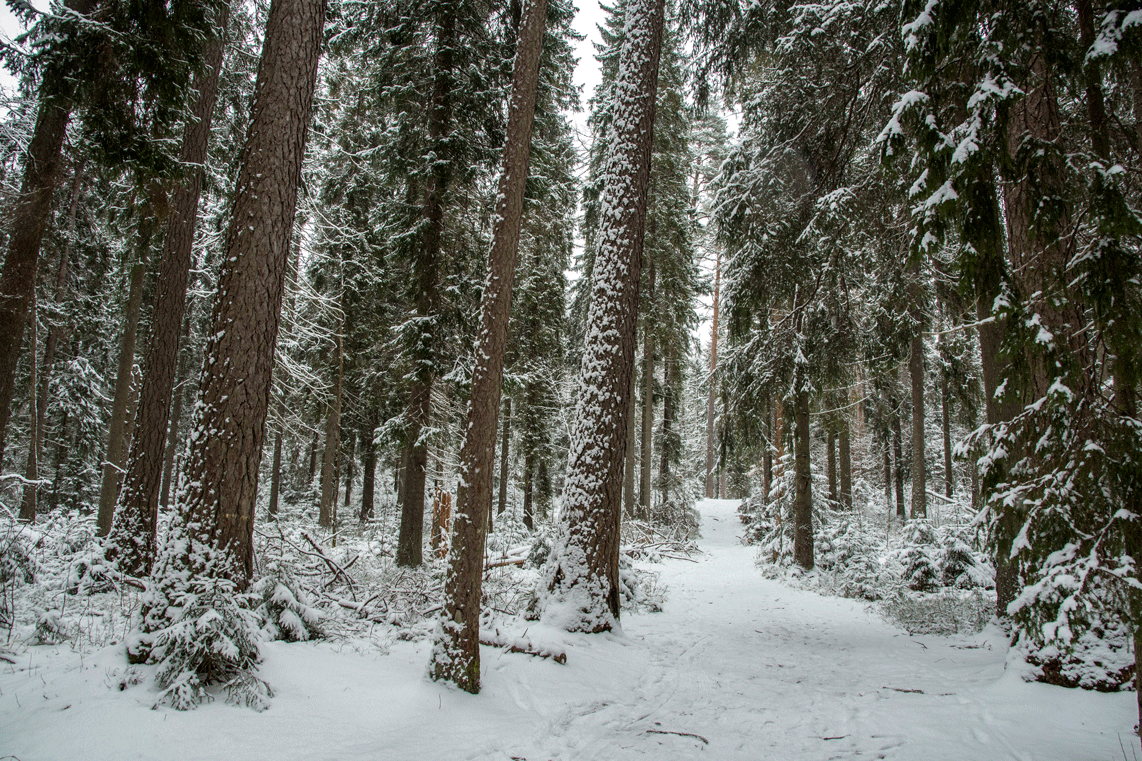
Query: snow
(735,667)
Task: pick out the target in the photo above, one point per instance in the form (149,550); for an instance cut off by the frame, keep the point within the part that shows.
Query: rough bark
(426,275)
(456,655)
(919,469)
(369,477)
(846,466)
(647,449)
(711,393)
(946,428)
(332,453)
(226,444)
(632,447)
(28,220)
(116,451)
(275,475)
(583,570)
(136,516)
(505,443)
(29,501)
(831,463)
(802,476)
(528,488)
(898,456)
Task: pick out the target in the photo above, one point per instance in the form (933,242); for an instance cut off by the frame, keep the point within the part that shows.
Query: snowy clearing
(736,667)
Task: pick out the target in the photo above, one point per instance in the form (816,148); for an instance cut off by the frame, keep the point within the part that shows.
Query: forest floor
(734,667)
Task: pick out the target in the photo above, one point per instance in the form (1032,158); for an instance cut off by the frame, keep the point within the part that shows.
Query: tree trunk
(669,454)
(275,475)
(647,401)
(456,656)
(116,438)
(846,466)
(350,460)
(505,441)
(136,520)
(369,477)
(946,424)
(426,274)
(632,448)
(29,502)
(887,479)
(528,477)
(28,220)
(711,394)
(802,476)
(332,453)
(178,394)
(898,456)
(584,564)
(919,481)
(217,507)
(831,463)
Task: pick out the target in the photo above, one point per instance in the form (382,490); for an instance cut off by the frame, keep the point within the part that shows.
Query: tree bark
(116,439)
(919,474)
(582,573)
(802,476)
(29,501)
(136,520)
(831,463)
(846,466)
(456,655)
(528,478)
(647,458)
(898,456)
(217,507)
(369,477)
(946,424)
(275,475)
(632,447)
(28,221)
(711,394)
(505,442)
(426,274)
(332,453)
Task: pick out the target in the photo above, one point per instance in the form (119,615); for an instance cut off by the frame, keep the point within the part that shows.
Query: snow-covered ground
(736,667)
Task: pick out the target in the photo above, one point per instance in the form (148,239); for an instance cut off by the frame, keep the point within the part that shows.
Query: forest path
(735,667)
(741,667)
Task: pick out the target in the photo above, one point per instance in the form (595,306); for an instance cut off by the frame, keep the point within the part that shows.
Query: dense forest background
(240,311)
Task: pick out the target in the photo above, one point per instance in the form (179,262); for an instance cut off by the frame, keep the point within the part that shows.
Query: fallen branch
(333,566)
(558,657)
(502,563)
(680,734)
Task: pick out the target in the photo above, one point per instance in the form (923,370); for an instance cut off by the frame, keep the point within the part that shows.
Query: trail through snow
(736,667)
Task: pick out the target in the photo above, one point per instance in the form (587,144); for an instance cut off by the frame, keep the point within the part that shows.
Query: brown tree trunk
(802,476)
(632,447)
(647,458)
(178,395)
(887,479)
(28,221)
(426,273)
(585,561)
(898,456)
(456,656)
(946,424)
(222,465)
(528,477)
(919,475)
(275,475)
(505,442)
(711,394)
(846,466)
(117,437)
(831,463)
(29,502)
(136,519)
(332,454)
(369,476)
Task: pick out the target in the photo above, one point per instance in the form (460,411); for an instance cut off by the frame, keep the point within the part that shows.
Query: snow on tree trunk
(582,572)
(456,653)
(216,505)
(803,498)
(133,530)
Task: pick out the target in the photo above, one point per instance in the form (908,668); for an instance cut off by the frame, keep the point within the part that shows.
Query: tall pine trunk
(582,573)
(846,465)
(711,393)
(216,508)
(919,474)
(456,655)
(28,220)
(647,450)
(802,477)
(136,519)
